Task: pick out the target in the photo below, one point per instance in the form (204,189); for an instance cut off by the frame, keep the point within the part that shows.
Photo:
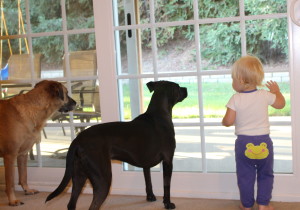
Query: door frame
(204,185)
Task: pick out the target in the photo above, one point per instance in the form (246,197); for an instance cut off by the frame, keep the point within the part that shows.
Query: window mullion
(153,38)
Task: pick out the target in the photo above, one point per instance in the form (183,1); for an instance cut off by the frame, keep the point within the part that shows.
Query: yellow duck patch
(257,152)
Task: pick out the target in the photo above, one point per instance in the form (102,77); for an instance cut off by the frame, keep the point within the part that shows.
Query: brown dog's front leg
(22,169)
(149,191)
(167,173)
(9,179)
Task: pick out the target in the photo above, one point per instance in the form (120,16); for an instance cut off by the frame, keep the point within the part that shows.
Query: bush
(221,42)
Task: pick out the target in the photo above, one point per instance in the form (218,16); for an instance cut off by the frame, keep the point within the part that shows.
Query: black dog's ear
(150,86)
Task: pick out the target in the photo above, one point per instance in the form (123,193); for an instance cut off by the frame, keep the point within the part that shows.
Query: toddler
(248,111)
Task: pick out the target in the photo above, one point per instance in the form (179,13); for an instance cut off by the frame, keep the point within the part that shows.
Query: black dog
(144,142)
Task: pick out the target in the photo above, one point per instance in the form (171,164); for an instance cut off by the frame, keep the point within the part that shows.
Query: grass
(214,99)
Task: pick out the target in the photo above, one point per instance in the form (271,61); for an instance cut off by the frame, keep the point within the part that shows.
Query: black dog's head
(174,92)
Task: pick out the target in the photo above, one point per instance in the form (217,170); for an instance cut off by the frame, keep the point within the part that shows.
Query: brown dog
(21,120)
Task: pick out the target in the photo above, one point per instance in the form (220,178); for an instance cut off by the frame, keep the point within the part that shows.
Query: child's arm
(274,88)
(229,118)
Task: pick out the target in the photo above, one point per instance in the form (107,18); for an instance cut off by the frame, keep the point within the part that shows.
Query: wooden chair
(83,63)
(19,68)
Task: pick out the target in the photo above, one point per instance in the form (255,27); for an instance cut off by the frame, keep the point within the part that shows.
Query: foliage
(220,43)
(46,16)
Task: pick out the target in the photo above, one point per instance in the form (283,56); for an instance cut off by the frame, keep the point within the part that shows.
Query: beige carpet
(121,202)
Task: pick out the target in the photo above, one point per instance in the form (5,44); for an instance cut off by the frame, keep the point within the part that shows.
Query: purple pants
(254,158)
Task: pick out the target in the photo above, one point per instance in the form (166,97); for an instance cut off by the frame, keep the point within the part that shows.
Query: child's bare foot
(262,207)
(243,208)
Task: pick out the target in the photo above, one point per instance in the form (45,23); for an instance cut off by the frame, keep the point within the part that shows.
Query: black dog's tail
(68,172)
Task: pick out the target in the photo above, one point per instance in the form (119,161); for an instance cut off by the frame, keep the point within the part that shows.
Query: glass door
(195,43)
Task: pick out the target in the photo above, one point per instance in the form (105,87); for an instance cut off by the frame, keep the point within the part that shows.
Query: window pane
(134,57)
(86,95)
(220,45)
(268,40)
(81,42)
(188,109)
(218,9)
(50,49)
(188,156)
(80,14)
(282,78)
(282,142)
(24,66)
(135,97)
(45,16)
(13,46)
(81,63)
(258,7)
(167,11)
(145,55)
(219,145)
(121,52)
(217,91)
(13,17)
(53,147)
(176,49)
(11,90)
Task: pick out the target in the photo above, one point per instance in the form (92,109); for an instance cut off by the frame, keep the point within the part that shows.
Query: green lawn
(215,97)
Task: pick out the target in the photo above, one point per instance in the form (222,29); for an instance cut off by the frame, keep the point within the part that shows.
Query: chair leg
(63,129)
(45,135)
(31,154)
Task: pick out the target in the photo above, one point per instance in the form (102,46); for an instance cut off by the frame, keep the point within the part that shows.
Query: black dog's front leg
(167,171)
(149,191)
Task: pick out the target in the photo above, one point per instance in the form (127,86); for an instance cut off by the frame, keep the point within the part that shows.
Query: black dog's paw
(170,206)
(151,198)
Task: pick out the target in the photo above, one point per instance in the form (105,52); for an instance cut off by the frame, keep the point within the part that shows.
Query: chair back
(20,66)
(84,63)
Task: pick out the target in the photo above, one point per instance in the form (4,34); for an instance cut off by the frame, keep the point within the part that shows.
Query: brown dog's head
(59,92)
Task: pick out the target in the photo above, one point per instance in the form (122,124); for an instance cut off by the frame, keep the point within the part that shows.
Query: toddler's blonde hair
(249,70)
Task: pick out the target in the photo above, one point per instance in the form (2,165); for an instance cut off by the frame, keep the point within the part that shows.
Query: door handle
(292,12)
(129,23)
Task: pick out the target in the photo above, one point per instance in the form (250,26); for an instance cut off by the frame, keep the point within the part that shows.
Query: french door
(195,45)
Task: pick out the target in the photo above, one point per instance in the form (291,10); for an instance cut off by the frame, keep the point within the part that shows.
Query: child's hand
(273,86)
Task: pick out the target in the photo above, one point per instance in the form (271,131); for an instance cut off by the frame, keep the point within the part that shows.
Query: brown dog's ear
(150,86)
(56,90)
(39,83)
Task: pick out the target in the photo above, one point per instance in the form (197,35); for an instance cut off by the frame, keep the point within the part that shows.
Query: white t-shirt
(251,109)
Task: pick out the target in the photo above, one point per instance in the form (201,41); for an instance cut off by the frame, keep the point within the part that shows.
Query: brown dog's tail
(68,172)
